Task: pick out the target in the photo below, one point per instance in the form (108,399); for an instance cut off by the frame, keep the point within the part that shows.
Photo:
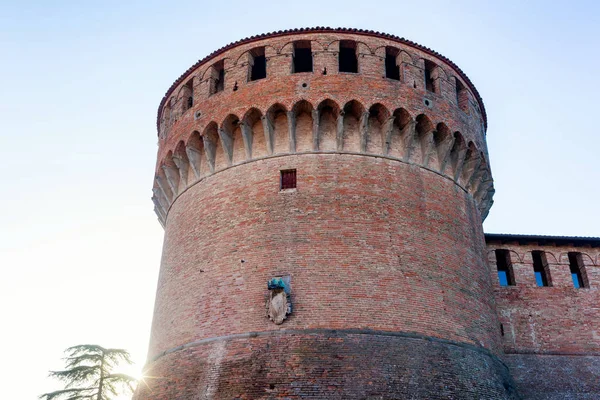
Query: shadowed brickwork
(329,365)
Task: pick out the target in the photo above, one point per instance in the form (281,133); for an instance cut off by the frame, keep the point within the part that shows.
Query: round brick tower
(322,192)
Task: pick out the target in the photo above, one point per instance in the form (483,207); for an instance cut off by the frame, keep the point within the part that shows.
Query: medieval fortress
(322,193)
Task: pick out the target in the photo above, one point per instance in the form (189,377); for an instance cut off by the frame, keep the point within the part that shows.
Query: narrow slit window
(348,61)
(288,179)
(189,94)
(258,64)
(392,70)
(302,58)
(541,268)
(462,97)
(429,80)
(217,83)
(504,265)
(578,273)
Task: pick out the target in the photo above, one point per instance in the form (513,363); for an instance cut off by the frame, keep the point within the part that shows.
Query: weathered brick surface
(369,243)
(547,377)
(550,333)
(383,233)
(328,365)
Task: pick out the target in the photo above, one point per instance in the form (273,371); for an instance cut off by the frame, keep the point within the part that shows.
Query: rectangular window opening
(392,70)
(217,81)
(429,81)
(541,268)
(505,271)
(302,58)
(189,91)
(578,273)
(288,179)
(258,64)
(462,97)
(348,61)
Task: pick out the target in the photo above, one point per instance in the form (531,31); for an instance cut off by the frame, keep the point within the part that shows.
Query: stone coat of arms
(279,304)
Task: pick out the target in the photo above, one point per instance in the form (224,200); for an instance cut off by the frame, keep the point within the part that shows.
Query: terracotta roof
(320,29)
(543,239)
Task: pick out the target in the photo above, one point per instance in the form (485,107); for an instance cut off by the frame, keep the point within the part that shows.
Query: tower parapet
(349,167)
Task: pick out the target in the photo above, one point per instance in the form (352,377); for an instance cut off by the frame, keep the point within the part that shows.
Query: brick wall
(369,243)
(327,365)
(382,238)
(550,333)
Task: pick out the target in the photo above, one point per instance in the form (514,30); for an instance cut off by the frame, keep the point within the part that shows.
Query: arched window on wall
(302,58)
(392,70)
(348,60)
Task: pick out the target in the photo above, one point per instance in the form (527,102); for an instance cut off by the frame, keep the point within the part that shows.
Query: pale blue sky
(80,84)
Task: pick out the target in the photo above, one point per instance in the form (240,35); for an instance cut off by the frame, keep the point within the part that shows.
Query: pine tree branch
(80,374)
(79,393)
(83,358)
(85,349)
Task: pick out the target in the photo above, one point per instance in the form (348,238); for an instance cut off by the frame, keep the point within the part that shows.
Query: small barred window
(288,179)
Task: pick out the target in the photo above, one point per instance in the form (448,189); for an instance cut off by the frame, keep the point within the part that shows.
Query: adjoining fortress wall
(550,334)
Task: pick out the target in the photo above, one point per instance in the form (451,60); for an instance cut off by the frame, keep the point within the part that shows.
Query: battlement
(322,91)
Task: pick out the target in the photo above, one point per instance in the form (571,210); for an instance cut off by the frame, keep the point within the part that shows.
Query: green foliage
(88,374)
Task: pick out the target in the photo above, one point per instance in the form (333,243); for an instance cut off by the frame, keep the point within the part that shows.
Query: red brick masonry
(382,240)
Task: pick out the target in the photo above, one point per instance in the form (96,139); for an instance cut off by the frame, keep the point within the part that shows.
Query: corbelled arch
(423,140)
(353,126)
(215,156)
(194,148)
(457,155)
(325,132)
(379,124)
(402,121)
(277,118)
(443,140)
(231,139)
(254,133)
(182,163)
(301,126)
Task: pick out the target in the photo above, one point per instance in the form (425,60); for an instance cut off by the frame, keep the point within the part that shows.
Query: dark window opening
(288,179)
(302,58)
(348,62)
(462,97)
(505,270)
(541,268)
(429,81)
(578,273)
(392,70)
(189,91)
(218,78)
(258,64)
(502,329)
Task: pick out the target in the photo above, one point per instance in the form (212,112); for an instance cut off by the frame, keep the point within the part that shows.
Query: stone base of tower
(326,364)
